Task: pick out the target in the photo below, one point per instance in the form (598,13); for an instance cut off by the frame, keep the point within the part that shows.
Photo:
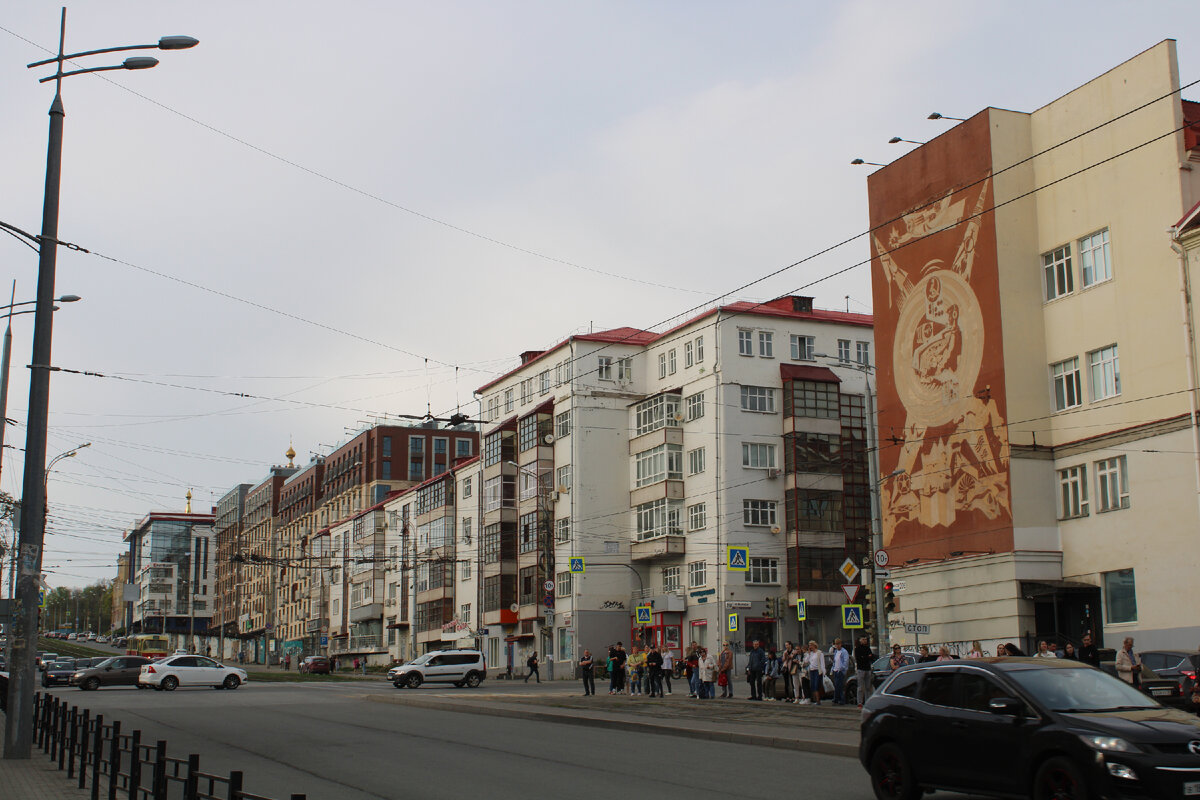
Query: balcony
(357,644)
(662,547)
(661,600)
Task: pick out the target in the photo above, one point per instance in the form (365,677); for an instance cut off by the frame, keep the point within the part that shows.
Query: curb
(733,737)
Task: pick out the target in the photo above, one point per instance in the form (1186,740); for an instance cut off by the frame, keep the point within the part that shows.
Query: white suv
(459,667)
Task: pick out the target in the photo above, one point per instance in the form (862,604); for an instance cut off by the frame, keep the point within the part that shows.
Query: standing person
(706,670)
(976,650)
(771,674)
(532,664)
(1088,653)
(756,664)
(287,662)
(785,671)
(814,662)
(587,669)
(364,666)
(841,663)
(356,663)
(693,670)
(637,670)
(864,661)
(654,672)
(725,667)
(1129,666)
(611,665)
(668,667)
(897,660)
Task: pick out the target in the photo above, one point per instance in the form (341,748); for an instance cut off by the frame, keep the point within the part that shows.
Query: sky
(348,210)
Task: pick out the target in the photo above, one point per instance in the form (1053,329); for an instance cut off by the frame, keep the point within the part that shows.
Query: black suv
(1016,727)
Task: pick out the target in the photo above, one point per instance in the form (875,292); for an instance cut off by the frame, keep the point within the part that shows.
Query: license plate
(1191,789)
(1161,692)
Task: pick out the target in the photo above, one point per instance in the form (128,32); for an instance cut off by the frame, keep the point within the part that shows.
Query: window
(416,470)
(1056,266)
(758,512)
(562,530)
(658,518)
(662,365)
(843,352)
(466,530)
(604,370)
(466,569)
(745,343)
(625,369)
(695,461)
(758,398)
(1067,390)
(862,352)
(462,448)
(803,348)
(657,412)
(1105,373)
(440,446)
(812,399)
(386,444)
(766,344)
(416,445)
(385,472)
(1112,484)
(466,489)
(670,576)
(697,517)
(509,401)
(699,349)
(693,406)
(564,478)
(544,382)
(464,614)
(562,424)
(563,588)
(1120,597)
(1072,484)
(660,463)
(697,574)
(688,355)
(526,390)
(758,456)
(493,408)
(671,361)
(938,688)
(763,570)
(1093,256)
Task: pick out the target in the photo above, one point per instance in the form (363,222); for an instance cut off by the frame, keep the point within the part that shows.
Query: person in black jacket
(756,664)
(654,672)
(1088,653)
(863,661)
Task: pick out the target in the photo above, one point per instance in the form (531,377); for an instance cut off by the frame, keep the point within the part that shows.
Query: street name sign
(914,627)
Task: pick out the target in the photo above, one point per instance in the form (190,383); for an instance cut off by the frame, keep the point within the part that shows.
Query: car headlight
(77,675)
(1109,744)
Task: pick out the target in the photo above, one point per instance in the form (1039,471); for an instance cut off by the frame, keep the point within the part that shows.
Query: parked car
(1016,727)
(457,667)
(1183,665)
(315,665)
(58,673)
(170,673)
(101,640)
(44,658)
(881,669)
(117,671)
(1164,690)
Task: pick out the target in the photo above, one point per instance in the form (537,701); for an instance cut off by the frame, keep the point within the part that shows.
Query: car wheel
(473,680)
(399,684)
(90,685)
(232,682)
(170,683)
(1059,779)
(891,775)
(413,681)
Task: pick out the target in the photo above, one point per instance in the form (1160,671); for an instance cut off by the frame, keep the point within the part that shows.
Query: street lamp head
(894,140)
(70,298)
(139,62)
(177,42)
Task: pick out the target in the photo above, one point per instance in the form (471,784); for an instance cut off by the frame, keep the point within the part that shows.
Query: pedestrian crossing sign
(733,623)
(852,616)
(577,565)
(643,615)
(738,559)
(801,609)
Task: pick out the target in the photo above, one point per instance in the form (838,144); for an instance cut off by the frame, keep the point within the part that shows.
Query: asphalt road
(329,741)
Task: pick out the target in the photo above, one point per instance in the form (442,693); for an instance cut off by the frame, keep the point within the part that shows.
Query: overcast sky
(363,208)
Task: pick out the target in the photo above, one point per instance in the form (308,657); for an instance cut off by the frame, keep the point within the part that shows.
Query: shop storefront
(664,631)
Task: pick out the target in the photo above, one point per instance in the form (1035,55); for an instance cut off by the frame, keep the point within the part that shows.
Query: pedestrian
(241,656)
(976,650)
(668,667)
(706,670)
(771,674)
(1013,651)
(1044,651)
(637,670)
(693,670)
(356,663)
(756,664)
(1088,653)
(1070,653)
(814,662)
(925,656)
(1129,666)
(287,662)
(944,654)
(587,671)
(333,664)
(531,664)
(654,672)
(785,672)
(364,666)
(725,667)
(616,668)
(208,651)
(897,660)
(841,664)
(864,674)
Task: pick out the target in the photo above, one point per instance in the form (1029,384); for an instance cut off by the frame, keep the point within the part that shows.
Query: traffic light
(890,603)
(773,607)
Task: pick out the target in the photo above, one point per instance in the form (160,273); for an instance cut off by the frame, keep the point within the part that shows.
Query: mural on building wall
(944,442)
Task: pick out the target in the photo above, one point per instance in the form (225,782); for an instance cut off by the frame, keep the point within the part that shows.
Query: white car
(458,667)
(172,672)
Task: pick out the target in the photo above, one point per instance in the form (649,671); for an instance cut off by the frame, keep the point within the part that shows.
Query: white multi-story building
(172,565)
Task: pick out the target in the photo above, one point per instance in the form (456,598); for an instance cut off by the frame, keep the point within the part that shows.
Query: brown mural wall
(942,412)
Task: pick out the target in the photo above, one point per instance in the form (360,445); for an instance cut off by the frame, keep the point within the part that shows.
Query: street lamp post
(18,729)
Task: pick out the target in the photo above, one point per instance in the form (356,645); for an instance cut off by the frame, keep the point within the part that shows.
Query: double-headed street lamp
(18,729)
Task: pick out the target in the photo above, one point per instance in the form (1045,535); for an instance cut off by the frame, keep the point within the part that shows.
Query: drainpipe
(1185,299)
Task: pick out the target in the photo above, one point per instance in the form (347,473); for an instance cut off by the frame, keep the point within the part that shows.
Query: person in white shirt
(841,663)
(814,662)
(1044,651)
(707,667)
(668,667)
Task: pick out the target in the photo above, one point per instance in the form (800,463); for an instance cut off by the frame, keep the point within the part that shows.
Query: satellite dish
(514,608)
(548,438)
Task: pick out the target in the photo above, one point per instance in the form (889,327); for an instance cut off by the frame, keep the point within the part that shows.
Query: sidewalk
(38,778)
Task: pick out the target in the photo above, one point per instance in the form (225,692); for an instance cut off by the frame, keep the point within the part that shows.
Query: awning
(1031,589)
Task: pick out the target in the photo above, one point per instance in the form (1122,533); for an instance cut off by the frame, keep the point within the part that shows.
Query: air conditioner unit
(774,473)
(548,438)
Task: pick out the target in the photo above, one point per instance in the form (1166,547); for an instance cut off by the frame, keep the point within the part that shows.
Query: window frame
(1066,375)
(1073,492)
(757,399)
(1058,273)
(697,517)
(1112,481)
(697,574)
(803,347)
(753,453)
(766,344)
(745,342)
(757,513)
(1086,249)
(764,571)
(1097,360)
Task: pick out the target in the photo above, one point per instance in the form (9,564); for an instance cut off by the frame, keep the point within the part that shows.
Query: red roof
(806,372)
(1190,220)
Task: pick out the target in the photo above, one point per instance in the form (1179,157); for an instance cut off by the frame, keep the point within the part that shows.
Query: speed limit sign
(881,558)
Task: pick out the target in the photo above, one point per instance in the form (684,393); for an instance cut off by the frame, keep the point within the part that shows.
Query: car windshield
(105,663)
(416,662)
(63,664)
(1080,689)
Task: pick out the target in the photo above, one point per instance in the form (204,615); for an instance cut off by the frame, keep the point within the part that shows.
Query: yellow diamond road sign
(849,570)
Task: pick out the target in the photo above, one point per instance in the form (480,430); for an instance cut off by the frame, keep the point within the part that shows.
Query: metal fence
(121,766)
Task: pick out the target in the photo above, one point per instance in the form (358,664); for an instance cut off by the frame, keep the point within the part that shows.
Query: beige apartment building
(1037,369)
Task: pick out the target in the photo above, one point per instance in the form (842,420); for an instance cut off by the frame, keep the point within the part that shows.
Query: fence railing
(120,766)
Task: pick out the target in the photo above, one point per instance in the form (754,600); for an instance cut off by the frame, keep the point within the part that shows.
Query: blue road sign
(577,565)
(801,609)
(324,641)
(738,559)
(643,615)
(852,616)
(733,623)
